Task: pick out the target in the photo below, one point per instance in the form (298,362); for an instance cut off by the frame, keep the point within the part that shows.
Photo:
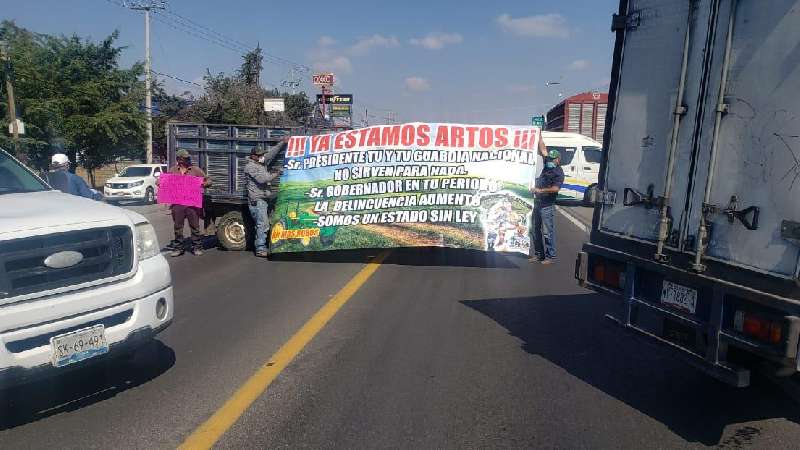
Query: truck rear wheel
(232,231)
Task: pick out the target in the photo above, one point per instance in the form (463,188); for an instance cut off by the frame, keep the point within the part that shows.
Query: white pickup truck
(78,278)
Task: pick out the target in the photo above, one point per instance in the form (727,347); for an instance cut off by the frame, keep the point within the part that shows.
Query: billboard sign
(336,99)
(274,104)
(323,79)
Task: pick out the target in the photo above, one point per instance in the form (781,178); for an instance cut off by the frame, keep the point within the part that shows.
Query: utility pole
(12,107)
(146,6)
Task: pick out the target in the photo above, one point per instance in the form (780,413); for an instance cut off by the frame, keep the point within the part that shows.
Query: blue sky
(443,60)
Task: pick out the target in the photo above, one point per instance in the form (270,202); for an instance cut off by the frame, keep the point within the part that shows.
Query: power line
(192,22)
(175,78)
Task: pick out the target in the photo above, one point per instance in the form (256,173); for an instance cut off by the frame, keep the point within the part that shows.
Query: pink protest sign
(184,190)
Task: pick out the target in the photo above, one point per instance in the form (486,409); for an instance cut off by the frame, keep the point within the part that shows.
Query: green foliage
(298,107)
(253,64)
(73,97)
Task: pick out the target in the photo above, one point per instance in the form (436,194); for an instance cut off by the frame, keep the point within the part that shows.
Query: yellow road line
(207,434)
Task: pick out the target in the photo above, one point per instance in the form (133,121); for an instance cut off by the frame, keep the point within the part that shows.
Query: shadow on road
(79,388)
(412,256)
(570,332)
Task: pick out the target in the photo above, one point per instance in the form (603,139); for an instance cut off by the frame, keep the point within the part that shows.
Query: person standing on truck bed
(182,213)
(60,178)
(259,191)
(543,231)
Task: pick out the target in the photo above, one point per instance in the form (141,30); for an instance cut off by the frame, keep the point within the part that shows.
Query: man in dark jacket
(183,213)
(260,192)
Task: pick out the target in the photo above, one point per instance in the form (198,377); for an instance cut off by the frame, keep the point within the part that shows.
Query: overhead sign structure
(323,79)
(274,104)
(335,99)
(415,184)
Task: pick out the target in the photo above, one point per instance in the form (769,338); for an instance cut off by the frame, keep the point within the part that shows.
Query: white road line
(573,219)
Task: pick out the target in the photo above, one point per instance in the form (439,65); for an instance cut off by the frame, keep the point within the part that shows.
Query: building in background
(582,113)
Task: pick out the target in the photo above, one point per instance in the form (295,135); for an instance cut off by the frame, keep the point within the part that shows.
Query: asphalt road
(438,349)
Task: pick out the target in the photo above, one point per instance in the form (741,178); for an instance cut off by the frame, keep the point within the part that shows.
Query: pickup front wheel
(232,231)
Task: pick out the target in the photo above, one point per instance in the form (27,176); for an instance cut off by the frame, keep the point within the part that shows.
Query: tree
(169,107)
(250,71)
(74,98)
(298,107)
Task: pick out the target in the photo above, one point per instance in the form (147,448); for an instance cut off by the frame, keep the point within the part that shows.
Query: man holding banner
(543,231)
(187,211)
(259,191)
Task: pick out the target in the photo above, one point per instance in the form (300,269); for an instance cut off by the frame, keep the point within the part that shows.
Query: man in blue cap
(543,230)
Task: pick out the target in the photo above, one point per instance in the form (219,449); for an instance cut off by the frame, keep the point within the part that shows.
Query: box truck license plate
(678,296)
(69,348)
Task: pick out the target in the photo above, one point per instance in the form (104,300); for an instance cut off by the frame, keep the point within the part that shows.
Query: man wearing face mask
(259,191)
(543,231)
(182,213)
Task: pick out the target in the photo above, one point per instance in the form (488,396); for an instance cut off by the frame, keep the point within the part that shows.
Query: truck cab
(79,279)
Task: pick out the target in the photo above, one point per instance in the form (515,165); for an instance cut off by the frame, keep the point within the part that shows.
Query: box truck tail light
(758,327)
(610,275)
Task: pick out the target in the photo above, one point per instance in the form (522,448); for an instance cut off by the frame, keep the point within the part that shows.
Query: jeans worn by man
(543,229)
(260,191)
(544,233)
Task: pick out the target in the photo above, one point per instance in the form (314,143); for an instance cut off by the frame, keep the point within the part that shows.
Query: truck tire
(149,196)
(232,231)
(590,192)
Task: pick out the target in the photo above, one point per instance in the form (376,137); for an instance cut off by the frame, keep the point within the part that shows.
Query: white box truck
(696,225)
(79,279)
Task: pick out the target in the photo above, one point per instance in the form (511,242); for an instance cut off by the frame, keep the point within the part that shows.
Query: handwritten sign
(184,190)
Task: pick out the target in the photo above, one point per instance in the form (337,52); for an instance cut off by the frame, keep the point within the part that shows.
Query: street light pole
(146,6)
(148,100)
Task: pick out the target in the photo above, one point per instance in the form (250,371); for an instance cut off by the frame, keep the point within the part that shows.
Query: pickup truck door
(758,142)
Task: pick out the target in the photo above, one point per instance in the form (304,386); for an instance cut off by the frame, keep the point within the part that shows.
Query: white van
(580,160)
(136,182)
(78,278)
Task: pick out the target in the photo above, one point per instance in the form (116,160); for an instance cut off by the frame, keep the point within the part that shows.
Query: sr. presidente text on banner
(416,184)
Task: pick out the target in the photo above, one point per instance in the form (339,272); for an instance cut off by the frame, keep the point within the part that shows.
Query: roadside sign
(274,104)
(341,110)
(322,79)
(537,121)
(336,99)
(20,127)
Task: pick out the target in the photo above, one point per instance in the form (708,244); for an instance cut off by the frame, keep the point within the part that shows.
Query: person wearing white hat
(62,179)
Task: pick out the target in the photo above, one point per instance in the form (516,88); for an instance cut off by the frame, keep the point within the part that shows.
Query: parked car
(137,182)
(580,159)
(79,279)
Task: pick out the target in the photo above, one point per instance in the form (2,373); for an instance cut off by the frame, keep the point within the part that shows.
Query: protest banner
(415,184)
(174,189)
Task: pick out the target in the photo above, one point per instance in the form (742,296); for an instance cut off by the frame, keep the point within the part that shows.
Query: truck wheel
(149,196)
(232,231)
(589,194)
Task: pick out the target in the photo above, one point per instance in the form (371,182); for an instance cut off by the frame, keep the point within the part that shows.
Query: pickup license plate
(678,296)
(78,345)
